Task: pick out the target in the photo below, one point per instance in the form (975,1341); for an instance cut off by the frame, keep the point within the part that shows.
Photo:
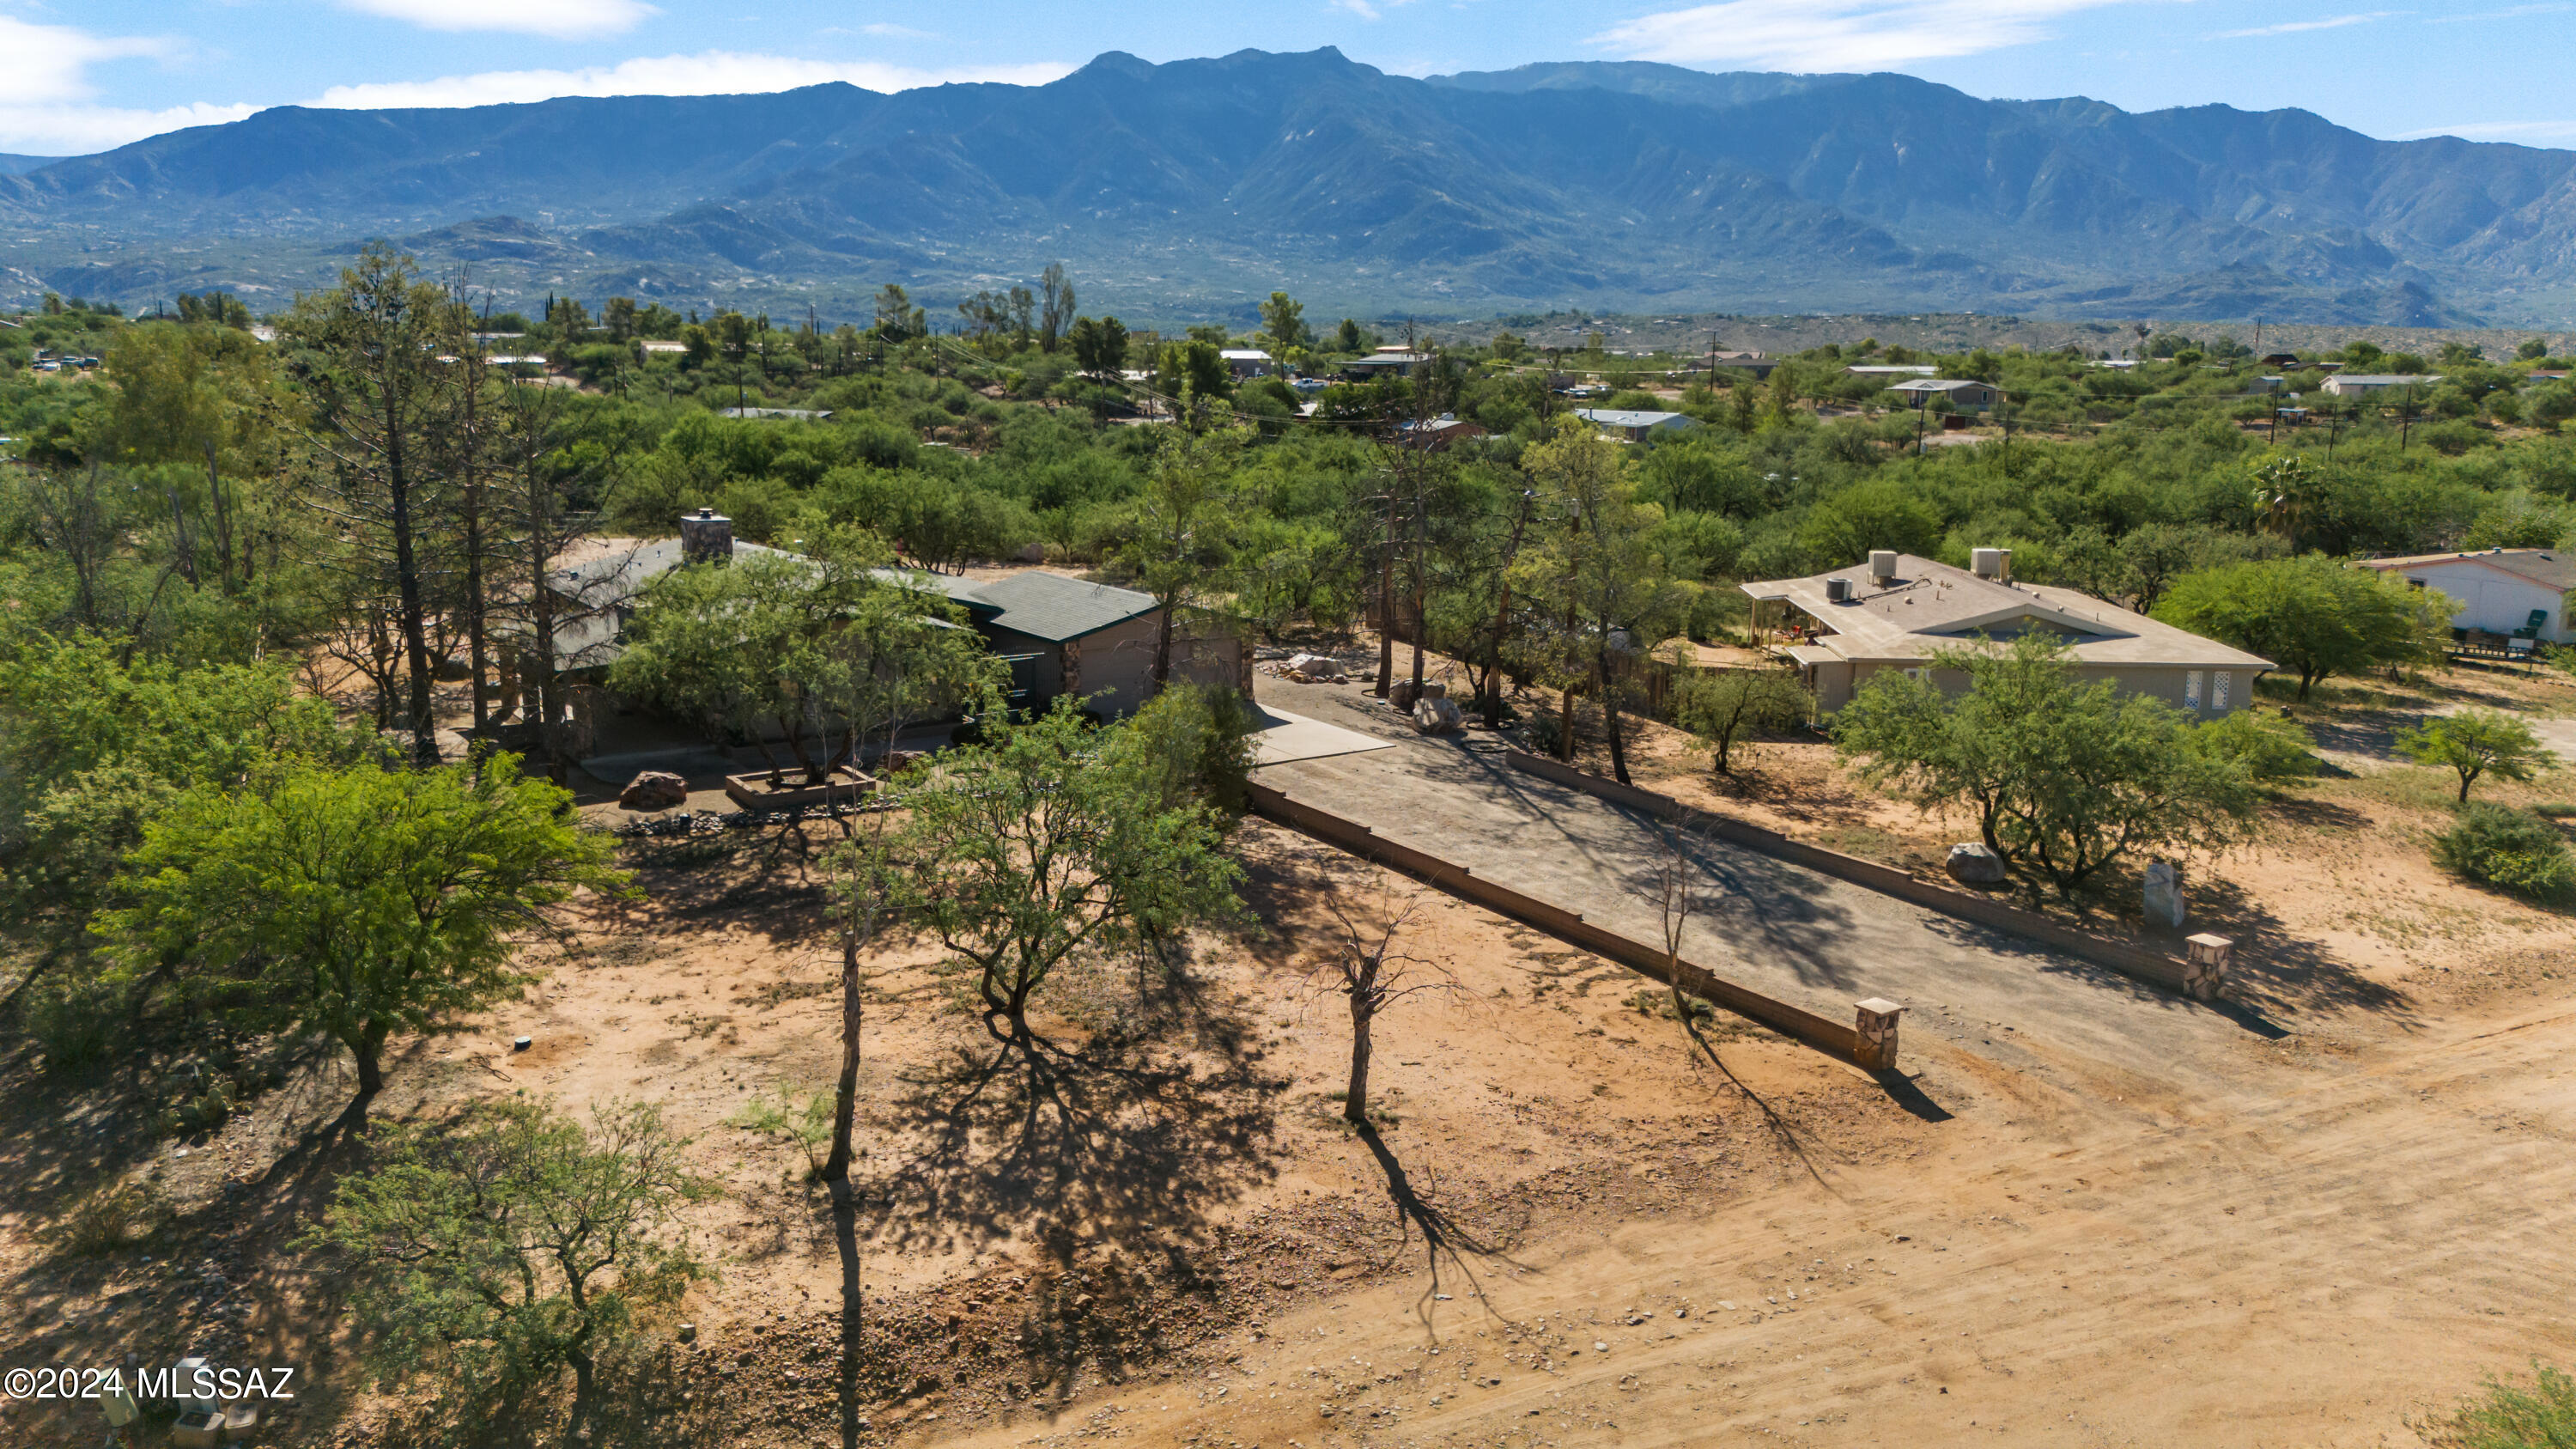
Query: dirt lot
(1579,1225)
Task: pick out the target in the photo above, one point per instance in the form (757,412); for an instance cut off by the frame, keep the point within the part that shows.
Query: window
(1916,673)
(2191,690)
(2225,678)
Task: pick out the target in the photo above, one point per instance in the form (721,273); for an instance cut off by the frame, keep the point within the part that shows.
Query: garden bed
(755,792)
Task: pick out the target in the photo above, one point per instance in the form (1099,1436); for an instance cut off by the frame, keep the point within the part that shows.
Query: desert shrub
(74,1019)
(105,1221)
(1656,1002)
(2512,850)
(2509,1415)
(2264,749)
(804,1121)
(2554,810)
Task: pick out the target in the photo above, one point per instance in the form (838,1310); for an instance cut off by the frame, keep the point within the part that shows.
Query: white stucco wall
(2492,599)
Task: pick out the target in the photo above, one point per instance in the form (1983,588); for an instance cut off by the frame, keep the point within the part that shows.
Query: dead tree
(1365,968)
(1670,889)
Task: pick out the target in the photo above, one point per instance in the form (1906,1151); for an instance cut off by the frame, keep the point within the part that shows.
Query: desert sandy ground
(1578,1222)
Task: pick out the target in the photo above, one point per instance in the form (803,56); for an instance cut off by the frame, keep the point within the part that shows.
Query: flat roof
(1630,417)
(1929,606)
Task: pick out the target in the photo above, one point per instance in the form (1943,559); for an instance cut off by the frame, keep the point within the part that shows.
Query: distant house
(2281,359)
(1636,425)
(2266,384)
(1059,635)
(2372,384)
(1894,611)
(1385,362)
(791,414)
(2515,592)
(1247,361)
(1752,362)
(658,348)
(1441,432)
(1967,396)
(2121,364)
(1893,370)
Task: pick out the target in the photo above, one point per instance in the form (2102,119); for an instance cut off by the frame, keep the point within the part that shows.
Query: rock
(1436,716)
(1316,664)
(2163,894)
(1975,864)
(654,790)
(1401,693)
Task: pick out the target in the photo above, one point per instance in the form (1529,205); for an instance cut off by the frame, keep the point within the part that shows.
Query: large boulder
(1974,864)
(654,790)
(1402,693)
(1432,716)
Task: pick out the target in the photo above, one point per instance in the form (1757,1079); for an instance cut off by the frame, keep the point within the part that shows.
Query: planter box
(752,791)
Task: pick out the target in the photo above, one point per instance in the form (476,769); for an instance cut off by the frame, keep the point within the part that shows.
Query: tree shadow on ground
(770,881)
(1781,1130)
(1452,1251)
(1124,1139)
(2275,971)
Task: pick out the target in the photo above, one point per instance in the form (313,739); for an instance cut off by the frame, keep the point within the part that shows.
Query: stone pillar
(2204,971)
(1876,1023)
(2164,894)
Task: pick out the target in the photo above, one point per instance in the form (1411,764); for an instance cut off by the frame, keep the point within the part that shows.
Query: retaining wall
(2136,962)
(1834,1037)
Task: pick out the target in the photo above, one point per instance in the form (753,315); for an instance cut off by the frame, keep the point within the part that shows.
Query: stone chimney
(705,536)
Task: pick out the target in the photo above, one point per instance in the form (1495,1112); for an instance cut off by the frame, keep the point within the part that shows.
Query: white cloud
(86,130)
(712,73)
(1812,35)
(896,32)
(45,112)
(47,63)
(2293,27)
(561,19)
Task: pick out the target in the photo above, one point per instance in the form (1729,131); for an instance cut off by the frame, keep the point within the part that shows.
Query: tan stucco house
(1895,611)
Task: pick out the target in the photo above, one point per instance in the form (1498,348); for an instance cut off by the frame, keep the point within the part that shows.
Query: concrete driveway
(1788,932)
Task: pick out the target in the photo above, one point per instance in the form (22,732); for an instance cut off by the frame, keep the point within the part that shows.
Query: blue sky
(85,75)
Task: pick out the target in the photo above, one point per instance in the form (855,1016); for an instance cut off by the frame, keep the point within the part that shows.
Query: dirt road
(2347,1237)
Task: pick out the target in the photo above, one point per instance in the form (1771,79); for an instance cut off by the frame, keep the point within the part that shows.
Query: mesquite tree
(1021,852)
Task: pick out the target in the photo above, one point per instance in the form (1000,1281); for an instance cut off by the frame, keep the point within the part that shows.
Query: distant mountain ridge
(1195,187)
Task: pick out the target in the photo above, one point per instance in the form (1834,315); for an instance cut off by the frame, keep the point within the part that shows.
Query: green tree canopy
(354,902)
(2477,742)
(495,1253)
(2311,615)
(2068,775)
(1047,841)
(829,649)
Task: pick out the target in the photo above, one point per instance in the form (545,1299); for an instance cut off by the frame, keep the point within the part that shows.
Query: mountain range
(1192,189)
